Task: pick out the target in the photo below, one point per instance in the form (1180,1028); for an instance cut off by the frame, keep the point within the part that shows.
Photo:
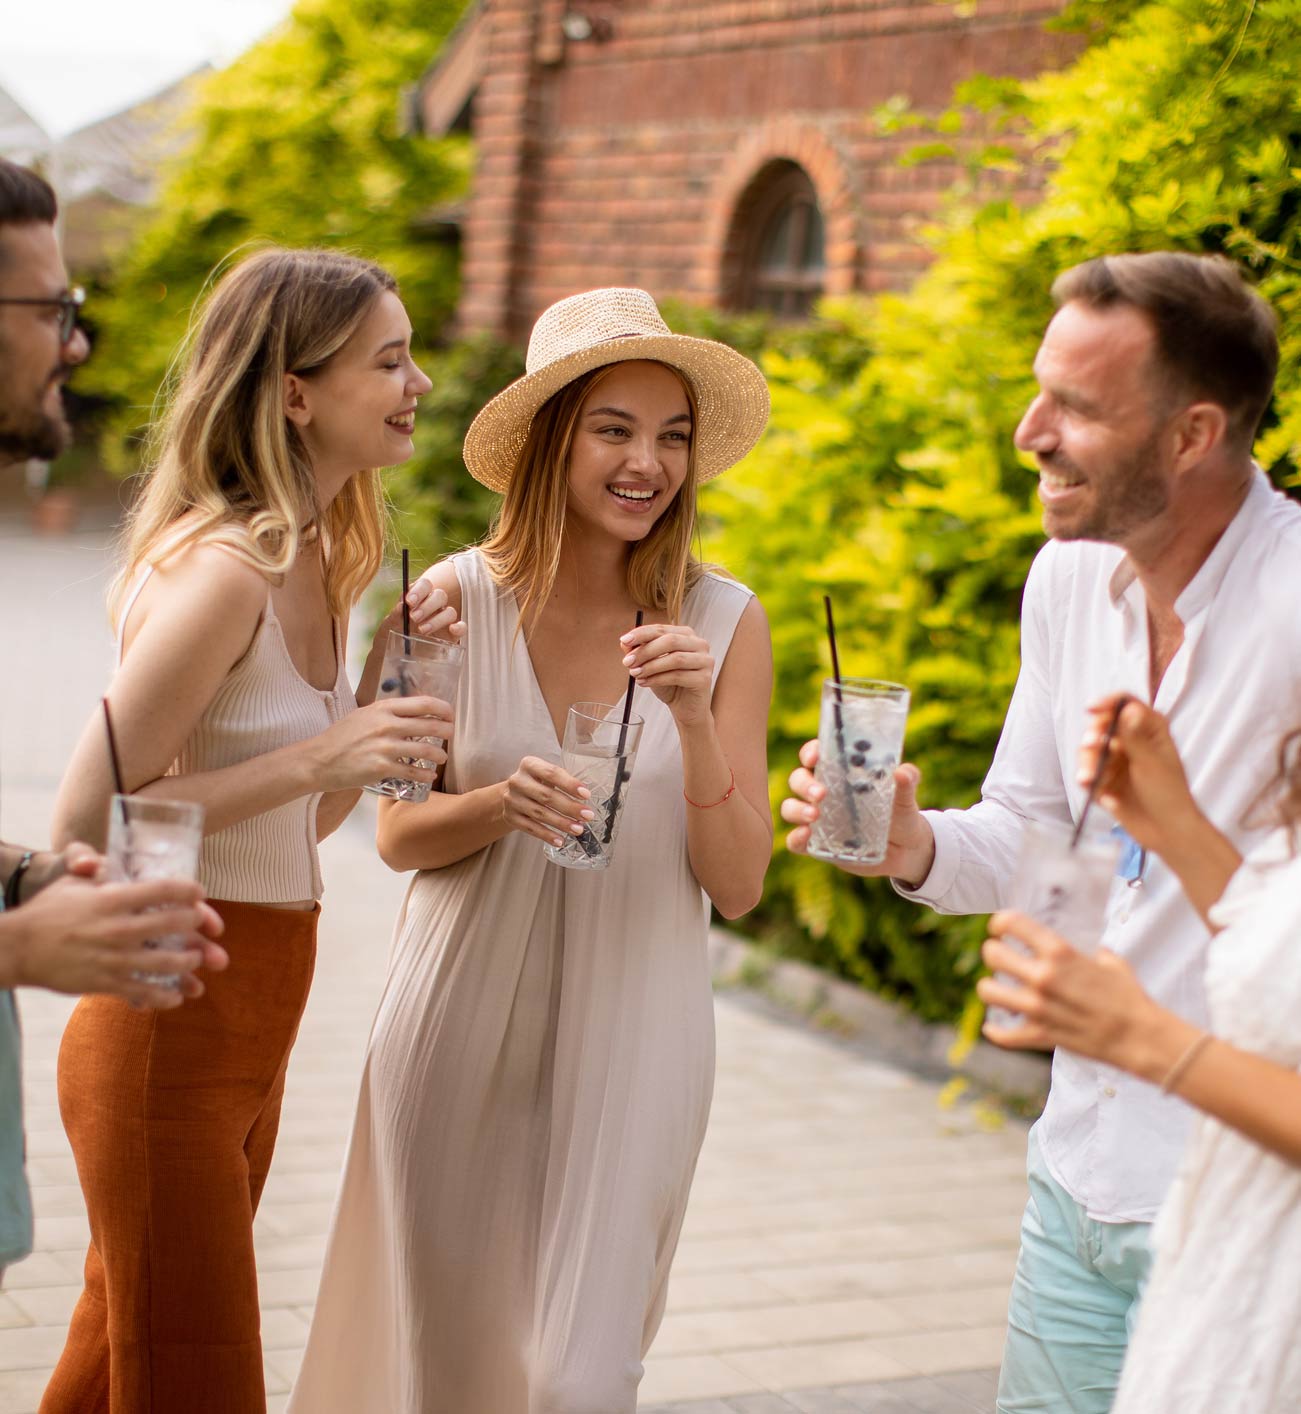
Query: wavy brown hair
(522,548)
(227,465)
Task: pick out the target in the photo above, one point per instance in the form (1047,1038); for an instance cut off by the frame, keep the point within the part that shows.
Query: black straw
(114,759)
(406,608)
(839,715)
(1096,784)
(613,811)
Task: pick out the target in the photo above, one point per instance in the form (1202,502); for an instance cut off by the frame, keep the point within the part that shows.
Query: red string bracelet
(722,800)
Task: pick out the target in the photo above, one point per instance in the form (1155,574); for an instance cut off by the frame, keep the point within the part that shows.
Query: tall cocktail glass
(1067,889)
(860,740)
(598,749)
(417,667)
(150,838)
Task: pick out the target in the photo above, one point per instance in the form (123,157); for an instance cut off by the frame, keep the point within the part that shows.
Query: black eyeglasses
(68,305)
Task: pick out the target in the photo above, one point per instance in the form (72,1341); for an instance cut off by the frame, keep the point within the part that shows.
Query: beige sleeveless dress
(535,1091)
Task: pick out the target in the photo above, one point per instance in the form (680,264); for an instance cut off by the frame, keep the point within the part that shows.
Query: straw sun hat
(615,326)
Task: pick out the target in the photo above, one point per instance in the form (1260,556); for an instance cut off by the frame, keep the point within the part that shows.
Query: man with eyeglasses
(59,928)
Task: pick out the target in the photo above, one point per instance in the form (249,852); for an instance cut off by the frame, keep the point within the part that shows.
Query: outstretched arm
(1095,1007)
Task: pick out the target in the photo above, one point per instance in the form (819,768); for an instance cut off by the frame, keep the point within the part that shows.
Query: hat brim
(731,400)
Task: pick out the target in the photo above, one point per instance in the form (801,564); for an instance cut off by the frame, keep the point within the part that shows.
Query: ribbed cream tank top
(263,704)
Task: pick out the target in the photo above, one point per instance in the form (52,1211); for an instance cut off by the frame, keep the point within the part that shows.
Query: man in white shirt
(1173,573)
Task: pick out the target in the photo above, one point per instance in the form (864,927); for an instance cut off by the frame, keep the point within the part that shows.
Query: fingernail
(634,672)
(624,637)
(557,841)
(631,658)
(810,813)
(588,814)
(576,829)
(584,793)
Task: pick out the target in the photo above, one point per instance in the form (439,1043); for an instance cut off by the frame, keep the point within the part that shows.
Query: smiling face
(1097,427)
(33,364)
(630,450)
(359,411)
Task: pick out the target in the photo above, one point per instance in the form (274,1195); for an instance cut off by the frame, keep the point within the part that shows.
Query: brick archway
(806,145)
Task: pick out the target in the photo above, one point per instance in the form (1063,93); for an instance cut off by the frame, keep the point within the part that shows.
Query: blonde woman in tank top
(539,1074)
(256,531)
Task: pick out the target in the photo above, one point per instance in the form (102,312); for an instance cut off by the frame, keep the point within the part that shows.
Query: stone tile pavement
(849,1242)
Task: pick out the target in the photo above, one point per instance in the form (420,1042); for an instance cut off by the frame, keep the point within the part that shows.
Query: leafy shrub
(297,142)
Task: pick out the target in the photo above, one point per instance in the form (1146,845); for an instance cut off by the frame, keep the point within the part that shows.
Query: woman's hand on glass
(545,801)
(1143,782)
(1090,1004)
(381,740)
(676,664)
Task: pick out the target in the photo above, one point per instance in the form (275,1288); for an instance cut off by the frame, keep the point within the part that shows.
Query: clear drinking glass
(1067,889)
(154,839)
(860,740)
(598,749)
(417,667)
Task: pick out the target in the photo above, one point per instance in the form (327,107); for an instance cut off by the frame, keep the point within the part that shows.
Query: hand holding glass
(417,667)
(1065,887)
(598,749)
(150,838)
(860,740)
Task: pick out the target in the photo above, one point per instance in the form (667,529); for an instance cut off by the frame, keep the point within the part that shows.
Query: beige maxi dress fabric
(535,1091)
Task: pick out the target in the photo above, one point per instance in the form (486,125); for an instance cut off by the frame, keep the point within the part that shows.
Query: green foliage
(297,142)
(888,477)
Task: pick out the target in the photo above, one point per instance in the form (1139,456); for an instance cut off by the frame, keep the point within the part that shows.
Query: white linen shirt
(1231,692)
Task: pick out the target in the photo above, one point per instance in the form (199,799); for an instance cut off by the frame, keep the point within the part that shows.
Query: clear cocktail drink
(860,740)
(417,667)
(598,749)
(1066,888)
(154,839)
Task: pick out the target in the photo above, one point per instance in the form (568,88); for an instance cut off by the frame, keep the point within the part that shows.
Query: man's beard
(1128,497)
(27,433)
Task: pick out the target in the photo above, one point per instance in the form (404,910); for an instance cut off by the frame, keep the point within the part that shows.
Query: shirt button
(1109,1091)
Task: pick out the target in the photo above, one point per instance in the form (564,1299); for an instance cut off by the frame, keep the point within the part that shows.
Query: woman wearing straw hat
(539,1074)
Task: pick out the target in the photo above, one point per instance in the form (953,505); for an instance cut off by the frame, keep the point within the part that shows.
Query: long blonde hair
(226,466)
(522,547)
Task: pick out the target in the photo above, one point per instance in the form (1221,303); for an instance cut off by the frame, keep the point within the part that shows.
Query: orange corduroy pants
(173,1118)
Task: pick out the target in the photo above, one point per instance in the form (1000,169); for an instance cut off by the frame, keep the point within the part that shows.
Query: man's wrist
(13,890)
(46,866)
(918,865)
(15,945)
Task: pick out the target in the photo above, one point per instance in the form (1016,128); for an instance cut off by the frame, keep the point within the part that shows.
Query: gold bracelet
(1186,1058)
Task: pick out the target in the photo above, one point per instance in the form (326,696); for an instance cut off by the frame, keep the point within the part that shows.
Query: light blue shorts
(1073,1305)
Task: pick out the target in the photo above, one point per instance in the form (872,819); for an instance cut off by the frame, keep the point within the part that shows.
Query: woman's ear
(297,401)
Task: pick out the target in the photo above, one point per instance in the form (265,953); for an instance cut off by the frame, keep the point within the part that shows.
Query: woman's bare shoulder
(209,589)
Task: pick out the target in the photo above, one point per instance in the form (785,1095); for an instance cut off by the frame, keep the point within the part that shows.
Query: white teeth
(632,495)
(404,423)
(1058,482)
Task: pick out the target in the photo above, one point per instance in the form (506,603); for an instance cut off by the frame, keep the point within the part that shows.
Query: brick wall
(624,161)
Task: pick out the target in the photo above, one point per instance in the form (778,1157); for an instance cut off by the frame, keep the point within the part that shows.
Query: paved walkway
(849,1243)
